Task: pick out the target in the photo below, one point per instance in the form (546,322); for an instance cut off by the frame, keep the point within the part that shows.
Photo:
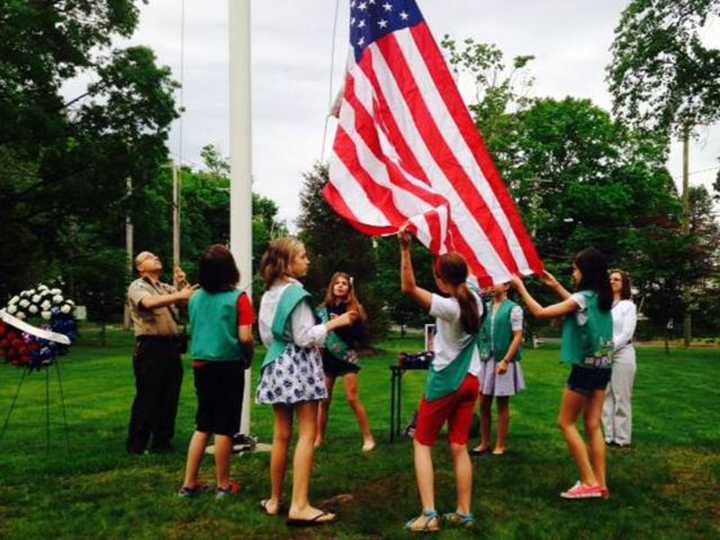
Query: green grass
(667,486)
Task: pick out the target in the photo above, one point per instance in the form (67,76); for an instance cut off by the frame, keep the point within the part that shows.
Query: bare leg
(196,451)
(485,423)
(572,404)
(425,480)
(593,428)
(223,449)
(503,407)
(282,433)
(463,476)
(353,399)
(323,412)
(300,507)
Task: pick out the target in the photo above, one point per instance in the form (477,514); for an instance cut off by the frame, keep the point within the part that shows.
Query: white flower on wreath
(42,287)
(58,299)
(20,315)
(31,292)
(55,291)
(65,309)
(46,305)
(36,298)
(46,315)
(33,309)
(14,300)
(12,309)
(24,303)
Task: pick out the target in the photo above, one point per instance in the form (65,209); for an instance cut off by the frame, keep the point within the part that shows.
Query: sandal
(479,451)
(458,519)
(263,507)
(431,522)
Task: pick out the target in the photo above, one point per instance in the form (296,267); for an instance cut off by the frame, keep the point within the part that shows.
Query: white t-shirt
(581,314)
(305,332)
(450,337)
(624,315)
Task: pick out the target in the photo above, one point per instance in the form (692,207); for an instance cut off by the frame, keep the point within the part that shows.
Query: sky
(292,44)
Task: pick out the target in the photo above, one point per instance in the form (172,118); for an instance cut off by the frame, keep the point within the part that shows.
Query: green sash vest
(500,329)
(446,381)
(593,339)
(333,343)
(214,324)
(282,334)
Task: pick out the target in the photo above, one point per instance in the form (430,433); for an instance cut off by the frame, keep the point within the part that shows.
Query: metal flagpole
(241,161)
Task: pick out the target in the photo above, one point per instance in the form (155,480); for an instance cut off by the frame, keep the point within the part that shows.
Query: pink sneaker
(580,491)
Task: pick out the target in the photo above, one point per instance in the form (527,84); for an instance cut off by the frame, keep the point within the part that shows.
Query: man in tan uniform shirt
(156,361)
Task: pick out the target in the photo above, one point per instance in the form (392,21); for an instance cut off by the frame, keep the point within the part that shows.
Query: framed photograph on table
(430,337)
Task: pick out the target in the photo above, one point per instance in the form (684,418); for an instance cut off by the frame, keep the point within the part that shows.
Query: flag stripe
(386,89)
(474,141)
(426,116)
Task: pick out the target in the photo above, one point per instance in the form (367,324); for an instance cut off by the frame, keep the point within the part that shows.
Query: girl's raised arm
(407,274)
(554,311)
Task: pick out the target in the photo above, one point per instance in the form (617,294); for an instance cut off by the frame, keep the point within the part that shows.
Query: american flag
(406,149)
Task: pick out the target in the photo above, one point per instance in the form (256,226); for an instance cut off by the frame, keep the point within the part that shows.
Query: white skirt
(507,384)
(296,376)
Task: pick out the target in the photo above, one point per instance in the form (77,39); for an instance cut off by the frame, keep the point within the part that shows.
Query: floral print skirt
(295,376)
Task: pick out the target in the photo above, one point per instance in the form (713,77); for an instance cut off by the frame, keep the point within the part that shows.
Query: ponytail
(469,317)
(452,268)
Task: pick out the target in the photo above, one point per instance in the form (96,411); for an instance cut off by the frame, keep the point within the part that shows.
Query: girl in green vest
(292,379)
(586,344)
(221,318)
(452,385)
(501,376)
(340,358)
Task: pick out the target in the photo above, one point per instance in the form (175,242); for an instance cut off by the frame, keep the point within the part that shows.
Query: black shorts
(219,387)
(586,380)
(334,367)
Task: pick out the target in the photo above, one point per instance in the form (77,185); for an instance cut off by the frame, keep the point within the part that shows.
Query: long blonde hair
(351,299)
(276,261)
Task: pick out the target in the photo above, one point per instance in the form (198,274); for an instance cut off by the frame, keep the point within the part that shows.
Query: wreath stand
(47,365)
(27,370)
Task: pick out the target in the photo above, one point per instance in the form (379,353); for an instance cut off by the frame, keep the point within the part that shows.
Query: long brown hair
(592,264)
(453,270)
(275,263)
(626,290)
(351,300)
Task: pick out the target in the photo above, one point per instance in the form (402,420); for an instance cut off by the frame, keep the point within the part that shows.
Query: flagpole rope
(332,73)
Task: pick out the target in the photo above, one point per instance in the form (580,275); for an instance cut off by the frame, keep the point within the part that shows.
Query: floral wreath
(36,326)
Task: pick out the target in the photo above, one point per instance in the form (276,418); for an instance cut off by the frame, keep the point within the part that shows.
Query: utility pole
(241,162)
(176,214)
(687,318)
(129,241)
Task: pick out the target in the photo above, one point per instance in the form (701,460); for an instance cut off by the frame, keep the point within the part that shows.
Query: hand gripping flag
(406,149)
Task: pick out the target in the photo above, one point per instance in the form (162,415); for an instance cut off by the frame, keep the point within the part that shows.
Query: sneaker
(231,490)
(605,493)
(580,491)
(190,492)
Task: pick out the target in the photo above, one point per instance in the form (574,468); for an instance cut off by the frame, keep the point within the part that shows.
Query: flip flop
(477,451)
(263,506)
(314,522)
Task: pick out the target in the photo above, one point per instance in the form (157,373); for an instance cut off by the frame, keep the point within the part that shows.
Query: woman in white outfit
(617,412)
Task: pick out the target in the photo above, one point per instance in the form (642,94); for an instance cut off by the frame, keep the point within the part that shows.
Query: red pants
(455,409)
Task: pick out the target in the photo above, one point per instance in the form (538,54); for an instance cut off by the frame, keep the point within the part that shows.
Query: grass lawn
(666,486)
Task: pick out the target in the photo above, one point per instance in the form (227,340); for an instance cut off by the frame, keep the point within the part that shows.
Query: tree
(662,76)
(335,246)
(64,162)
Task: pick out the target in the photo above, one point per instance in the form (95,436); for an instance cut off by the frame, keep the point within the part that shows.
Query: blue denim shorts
(585,380)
